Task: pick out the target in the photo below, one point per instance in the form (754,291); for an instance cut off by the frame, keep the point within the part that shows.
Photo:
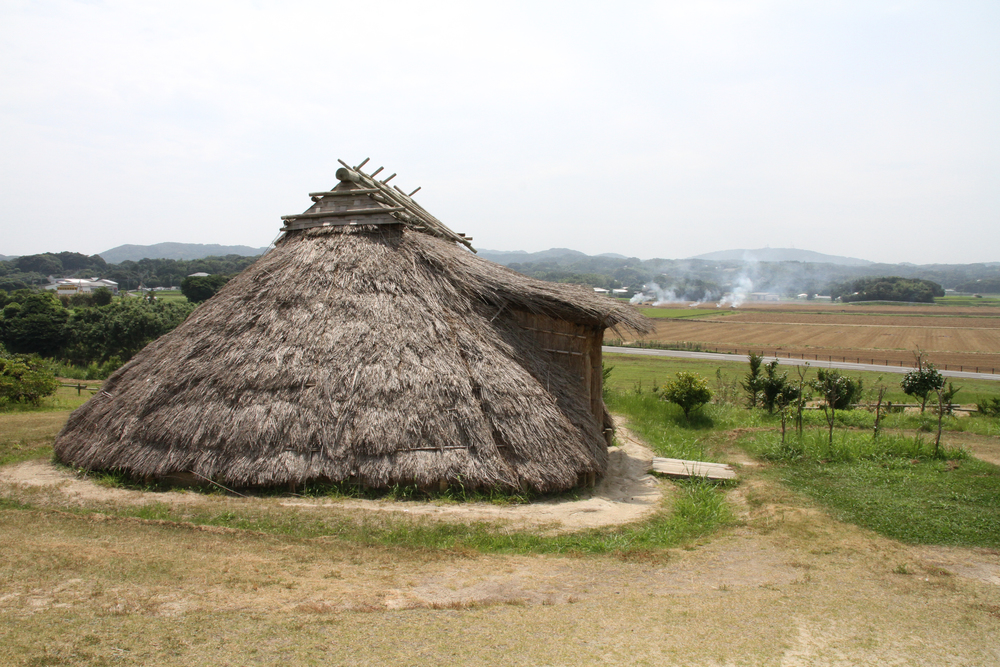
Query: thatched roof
(374,353)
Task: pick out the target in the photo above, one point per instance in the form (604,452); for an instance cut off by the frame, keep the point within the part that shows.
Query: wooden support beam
(348,212)
(343,193)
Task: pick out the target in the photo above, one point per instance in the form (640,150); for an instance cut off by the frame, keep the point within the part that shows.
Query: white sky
(667,129)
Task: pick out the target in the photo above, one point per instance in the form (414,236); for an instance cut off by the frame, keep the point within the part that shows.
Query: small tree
(922,380)
(687,390)
(775,390)
(753,379)
(948,395)
(800,400)
(836,391)
(879,394)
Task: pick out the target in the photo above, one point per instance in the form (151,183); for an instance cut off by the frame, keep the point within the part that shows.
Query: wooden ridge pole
(413,213)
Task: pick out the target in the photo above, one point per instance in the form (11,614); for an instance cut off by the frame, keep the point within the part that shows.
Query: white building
(71,286)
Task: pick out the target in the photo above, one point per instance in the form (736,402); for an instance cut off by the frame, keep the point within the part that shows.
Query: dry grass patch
(28,435)
(807,590)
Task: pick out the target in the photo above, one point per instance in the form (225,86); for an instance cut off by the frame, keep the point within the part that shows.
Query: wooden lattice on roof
(361,199)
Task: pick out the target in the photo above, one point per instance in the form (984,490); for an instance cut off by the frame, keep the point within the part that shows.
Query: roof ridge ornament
(389,201)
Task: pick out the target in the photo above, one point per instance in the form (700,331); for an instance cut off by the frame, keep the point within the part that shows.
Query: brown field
(953,337)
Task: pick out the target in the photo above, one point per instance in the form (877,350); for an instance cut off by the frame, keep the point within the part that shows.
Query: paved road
(849,366)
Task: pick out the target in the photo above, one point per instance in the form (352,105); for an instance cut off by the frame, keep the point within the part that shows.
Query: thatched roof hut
(370,346)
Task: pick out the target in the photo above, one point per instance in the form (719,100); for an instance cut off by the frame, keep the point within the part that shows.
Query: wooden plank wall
(574,347)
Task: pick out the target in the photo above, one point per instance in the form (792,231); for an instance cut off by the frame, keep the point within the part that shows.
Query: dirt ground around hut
(628,492)
(84,582)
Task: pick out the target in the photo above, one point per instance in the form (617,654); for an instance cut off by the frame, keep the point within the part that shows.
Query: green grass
(65,398)
(696,509)
(170,296)
(896,486)
(986,300)
(926,502)
(28,435)
(681,313)
(663,427)
(632,369)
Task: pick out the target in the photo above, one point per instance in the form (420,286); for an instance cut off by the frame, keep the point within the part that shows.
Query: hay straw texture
(374,354)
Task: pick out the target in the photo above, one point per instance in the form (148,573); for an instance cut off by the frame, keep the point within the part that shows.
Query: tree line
(33,270)
(887,288)
(100,336)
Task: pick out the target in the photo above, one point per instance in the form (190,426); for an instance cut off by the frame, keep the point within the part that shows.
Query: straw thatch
(375,354)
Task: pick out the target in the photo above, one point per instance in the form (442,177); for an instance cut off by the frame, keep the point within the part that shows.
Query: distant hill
(506,257)
(176,251)
(7,258)
(781,255)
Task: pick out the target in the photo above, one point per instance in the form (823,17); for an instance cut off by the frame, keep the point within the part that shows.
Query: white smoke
(740,293)
(709,296)
(656,294)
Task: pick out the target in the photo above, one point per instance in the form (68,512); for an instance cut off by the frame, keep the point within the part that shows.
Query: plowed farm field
(953,337)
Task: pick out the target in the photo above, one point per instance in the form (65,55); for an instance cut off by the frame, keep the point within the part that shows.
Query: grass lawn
(895,485)
(681,313)
(170,296)
(631,370)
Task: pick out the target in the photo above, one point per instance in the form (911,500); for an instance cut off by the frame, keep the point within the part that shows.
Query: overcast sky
(669,129)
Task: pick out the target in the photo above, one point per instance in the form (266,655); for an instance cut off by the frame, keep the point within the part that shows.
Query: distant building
(200,274)
(71,286)
(764,296)
(600,290)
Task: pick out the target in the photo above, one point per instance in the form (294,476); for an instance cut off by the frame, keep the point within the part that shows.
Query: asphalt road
(842,365)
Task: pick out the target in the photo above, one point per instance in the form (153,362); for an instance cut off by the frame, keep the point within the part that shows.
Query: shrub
(989,407)
(25,380)
(921,381)
(687,390)
(776,390)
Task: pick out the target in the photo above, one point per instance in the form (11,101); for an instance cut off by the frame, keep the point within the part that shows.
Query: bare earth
(951,336)
(787,586)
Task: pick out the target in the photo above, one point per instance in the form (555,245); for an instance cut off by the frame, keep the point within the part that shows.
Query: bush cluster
(24,379)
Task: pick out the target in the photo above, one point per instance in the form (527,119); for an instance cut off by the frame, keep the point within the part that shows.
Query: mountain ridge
(781,255)
(171,250)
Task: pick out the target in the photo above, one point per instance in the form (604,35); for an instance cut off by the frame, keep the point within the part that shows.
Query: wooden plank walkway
(682,468)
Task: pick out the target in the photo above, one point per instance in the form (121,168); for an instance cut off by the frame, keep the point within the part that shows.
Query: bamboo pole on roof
(393,196)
